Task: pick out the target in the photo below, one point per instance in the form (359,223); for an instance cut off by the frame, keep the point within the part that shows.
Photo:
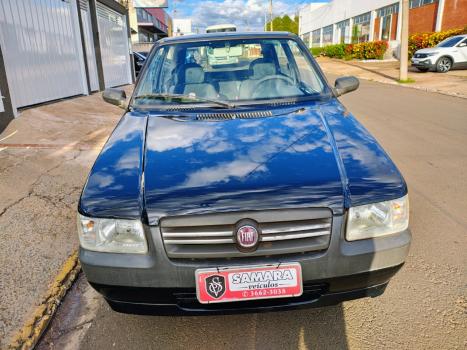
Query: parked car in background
(239,187)
(448,54)
(139,59)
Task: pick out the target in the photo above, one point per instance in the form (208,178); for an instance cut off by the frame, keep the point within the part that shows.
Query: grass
(316,51)
(407,81)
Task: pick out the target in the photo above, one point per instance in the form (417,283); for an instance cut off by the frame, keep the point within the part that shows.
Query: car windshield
(450,42)
(235,71)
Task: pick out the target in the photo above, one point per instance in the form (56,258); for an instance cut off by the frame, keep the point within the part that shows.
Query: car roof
(225,35)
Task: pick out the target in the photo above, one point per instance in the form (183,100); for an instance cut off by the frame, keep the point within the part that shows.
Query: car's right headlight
(378,219)
(112,235)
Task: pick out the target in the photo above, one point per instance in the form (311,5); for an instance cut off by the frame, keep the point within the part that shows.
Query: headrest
(194,75)
(261,68)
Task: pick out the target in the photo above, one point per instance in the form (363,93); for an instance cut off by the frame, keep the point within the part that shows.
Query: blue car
(239,186)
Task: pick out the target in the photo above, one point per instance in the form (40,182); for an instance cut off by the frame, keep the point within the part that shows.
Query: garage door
(42,50)
(115,53)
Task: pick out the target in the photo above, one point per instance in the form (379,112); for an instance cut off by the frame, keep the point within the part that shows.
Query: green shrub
(423,40)
(362,51)
(336,51)
(316,51)
(367,50)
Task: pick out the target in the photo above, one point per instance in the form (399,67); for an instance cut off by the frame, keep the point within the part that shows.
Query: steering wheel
(261,81)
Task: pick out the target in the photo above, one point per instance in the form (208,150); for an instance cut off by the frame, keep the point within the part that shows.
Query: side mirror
(115,97)
(345,84)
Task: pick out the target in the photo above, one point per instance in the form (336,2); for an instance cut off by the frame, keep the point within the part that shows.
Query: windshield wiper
(191,97)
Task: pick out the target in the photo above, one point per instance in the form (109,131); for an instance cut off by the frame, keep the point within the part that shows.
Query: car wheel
(444,65)
(424,70)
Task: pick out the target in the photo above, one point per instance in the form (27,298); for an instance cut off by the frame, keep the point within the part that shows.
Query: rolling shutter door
(114,45)
(42,50)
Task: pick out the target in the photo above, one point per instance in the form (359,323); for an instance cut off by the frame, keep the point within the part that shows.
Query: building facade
(182,26)
(148,24)
(55,49)
(346,21)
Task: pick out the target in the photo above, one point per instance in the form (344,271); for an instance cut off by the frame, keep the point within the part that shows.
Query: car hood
(240,164)
(432,49)
(314,156)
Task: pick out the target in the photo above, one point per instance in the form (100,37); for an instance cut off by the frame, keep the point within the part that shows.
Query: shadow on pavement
(322,328)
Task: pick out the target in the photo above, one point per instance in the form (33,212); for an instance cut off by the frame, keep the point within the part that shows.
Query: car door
(462,52)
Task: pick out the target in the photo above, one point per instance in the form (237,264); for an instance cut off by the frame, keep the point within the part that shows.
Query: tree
(284,23)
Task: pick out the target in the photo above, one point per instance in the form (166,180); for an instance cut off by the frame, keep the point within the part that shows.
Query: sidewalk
(45,156)
(453,83)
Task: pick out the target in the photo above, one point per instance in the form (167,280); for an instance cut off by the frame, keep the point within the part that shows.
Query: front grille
(212,235)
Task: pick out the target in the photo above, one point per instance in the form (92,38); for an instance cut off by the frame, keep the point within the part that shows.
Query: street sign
(150,3)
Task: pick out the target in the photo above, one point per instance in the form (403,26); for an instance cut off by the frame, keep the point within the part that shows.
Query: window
(385,14)
(343,31)
(306,39)
(327,35)
(418,3)
(361,28)
(145,37)
(229,70)
(362,19)
(386,27)
(388,10)
(450,42)
(316,38)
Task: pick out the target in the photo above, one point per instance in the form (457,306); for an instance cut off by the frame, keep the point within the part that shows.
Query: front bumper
(155,284)
(182,301)
(424,63)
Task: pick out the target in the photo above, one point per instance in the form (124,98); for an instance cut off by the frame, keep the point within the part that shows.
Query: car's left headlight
(112,235)
(378,219)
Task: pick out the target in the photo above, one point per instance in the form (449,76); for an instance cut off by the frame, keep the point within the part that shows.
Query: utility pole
(270,14)
(404,56)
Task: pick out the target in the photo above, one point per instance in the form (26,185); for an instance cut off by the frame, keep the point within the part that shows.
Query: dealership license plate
(220,285)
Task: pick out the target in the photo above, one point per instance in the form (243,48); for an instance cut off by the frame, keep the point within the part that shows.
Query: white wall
(335,11)
(304,18)
(184,25)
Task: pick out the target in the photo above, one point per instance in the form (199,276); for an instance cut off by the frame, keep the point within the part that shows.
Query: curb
(409,86)
(28,336)
(416,87)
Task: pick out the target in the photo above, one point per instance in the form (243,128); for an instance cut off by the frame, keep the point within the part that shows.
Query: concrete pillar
(372,25)
(9,111)
(321,37)
(439,16)
(399,22)
(334,34)
(403,73)
(348,39)
(133,21)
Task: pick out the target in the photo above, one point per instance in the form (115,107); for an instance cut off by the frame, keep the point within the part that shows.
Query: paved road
(45,156)
(424,307)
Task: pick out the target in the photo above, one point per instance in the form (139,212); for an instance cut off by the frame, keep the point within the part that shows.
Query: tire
(423,70)
(444,65)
